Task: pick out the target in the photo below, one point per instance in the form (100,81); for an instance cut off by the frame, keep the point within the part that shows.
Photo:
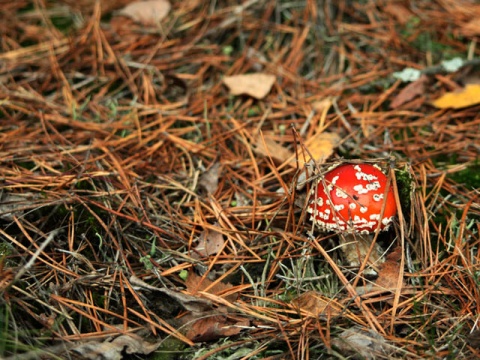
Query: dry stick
(34,257)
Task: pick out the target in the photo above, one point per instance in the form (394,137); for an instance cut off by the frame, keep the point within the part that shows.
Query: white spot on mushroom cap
(352,206)
(373,186)
(387,220)
(360,175)
(358,220)
(360,189)
(375,217)
(377,197)
(335,179)
(363,209)
(328,226)
(341,194)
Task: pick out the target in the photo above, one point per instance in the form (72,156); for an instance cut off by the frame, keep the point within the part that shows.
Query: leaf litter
(148,12)
(113,129)
(257,85)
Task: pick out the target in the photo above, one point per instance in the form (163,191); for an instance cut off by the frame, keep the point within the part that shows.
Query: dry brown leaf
(210,242)
(389,271)
(410,92)
(317,305)
(190,303)
(256,85)
(14,204)
(209,179)
(268,147)
(114,350)
(148,13)
(473,339)
(468,96)
(367,344)
(195,283)
(214,327)
(321,147)
(322,105)
(6,275)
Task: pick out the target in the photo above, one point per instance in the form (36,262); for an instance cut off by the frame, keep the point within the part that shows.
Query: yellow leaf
(320,146)
(468,96)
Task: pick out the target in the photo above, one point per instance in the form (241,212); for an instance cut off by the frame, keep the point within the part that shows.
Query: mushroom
(352,200)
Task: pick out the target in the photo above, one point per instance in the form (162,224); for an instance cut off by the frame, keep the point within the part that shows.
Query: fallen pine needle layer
(155,163)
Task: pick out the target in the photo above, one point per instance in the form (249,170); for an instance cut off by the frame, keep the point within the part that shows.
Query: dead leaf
(317,304)
(473,339)
(13,205)
(209,179)
(388,274)
(114,350)
(389,271)
(256,58)
(267,147)
(256,85)
(322,105)
(368,344)
(468,96)
(195,283)
(241,199)
(410,92)
(148,13)
(321,147)
(210,242)
(190,303)
(6,275)
(214,327)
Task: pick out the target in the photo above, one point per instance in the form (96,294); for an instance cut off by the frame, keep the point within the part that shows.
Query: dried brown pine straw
(108,131)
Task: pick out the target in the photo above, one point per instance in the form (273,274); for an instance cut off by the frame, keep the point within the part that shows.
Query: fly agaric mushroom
(352,200)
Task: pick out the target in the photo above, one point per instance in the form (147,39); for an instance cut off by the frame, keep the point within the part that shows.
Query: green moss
(170,349)
(405,187)
(63,23)
(469,177)
(424,41)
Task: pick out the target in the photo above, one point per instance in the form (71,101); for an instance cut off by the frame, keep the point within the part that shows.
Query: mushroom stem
(356,247)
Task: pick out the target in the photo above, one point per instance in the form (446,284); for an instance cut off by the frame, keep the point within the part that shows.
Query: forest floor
(153,176)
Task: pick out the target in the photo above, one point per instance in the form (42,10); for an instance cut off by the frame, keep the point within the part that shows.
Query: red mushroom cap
(351,198)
